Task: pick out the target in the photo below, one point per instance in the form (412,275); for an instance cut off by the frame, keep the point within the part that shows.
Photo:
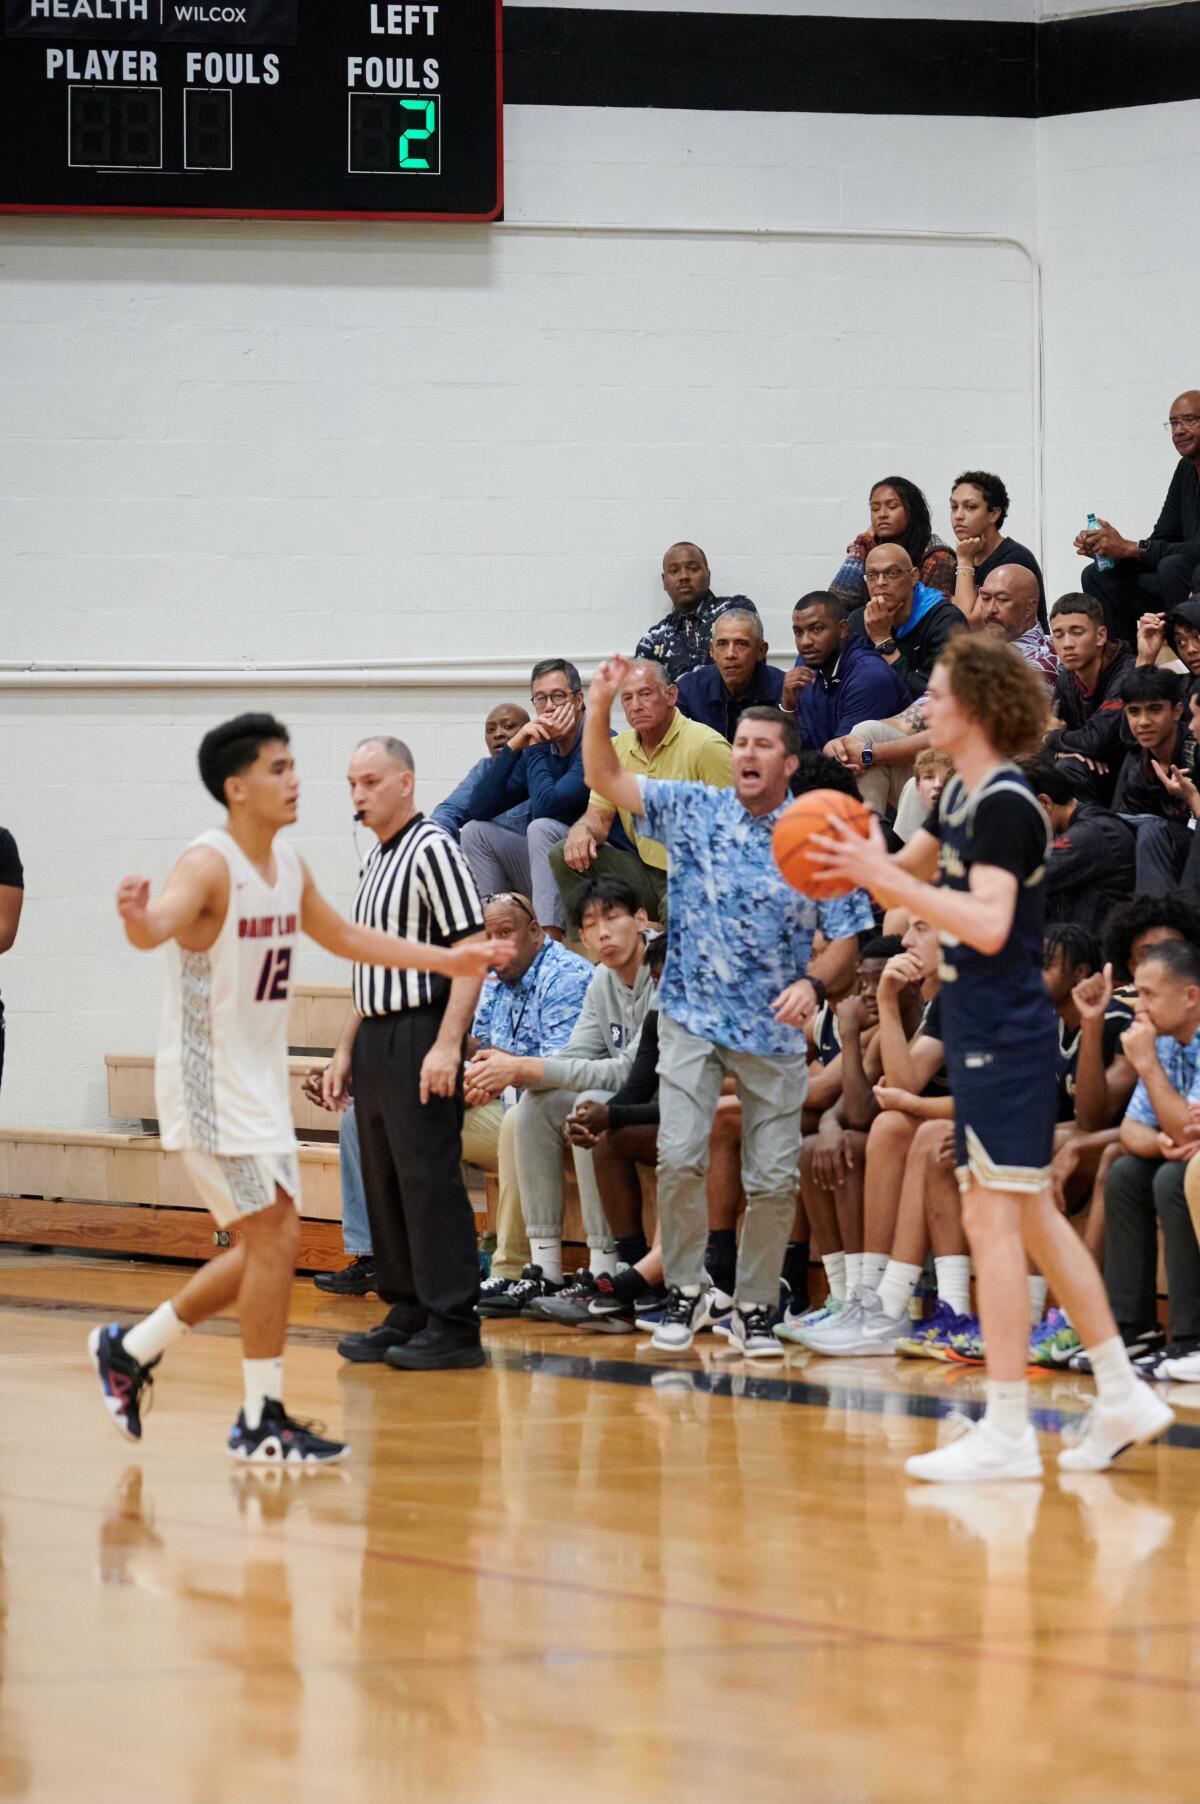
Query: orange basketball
(794,829)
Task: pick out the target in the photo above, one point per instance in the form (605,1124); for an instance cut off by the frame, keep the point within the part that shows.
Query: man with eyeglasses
(906,622)
(542,764)
(1158,573)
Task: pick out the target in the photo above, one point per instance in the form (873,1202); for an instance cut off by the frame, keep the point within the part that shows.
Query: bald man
(682,639)
(905,622)
(1158,573)
(1008,609)
(505,719)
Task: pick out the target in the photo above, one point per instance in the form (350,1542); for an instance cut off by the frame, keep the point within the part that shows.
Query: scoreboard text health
(307,108)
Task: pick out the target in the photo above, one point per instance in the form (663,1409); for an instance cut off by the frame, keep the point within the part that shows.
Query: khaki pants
(881,785)
(489,1141)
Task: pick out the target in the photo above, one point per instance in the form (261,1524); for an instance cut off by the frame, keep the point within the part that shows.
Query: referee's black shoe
(368,1348)
(434,1350)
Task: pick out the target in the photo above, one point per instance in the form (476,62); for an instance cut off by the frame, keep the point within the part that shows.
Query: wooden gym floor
(580,1575)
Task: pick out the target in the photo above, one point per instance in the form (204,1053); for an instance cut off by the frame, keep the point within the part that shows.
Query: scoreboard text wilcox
(308,108)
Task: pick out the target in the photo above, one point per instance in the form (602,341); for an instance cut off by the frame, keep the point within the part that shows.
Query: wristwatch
(886,647)
(868,756)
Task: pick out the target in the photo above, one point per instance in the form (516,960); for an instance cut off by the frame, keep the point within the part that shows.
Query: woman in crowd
(978,510)
(899,515)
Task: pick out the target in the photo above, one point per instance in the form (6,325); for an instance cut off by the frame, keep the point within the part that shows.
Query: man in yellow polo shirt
(660,742)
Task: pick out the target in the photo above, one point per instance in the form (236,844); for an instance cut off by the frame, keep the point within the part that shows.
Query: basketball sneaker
(1145,1346)
(1053,1341)
(749,1333)
(931,1339)
(568,1307)
(966,1347)
(123,1379)
(683,1318)
(1182,1366)
(510,1303)
(354,1280)
(720,1311)
(490,1290)
(1110,1429)
(793,1327)
(860,1331)
(978,1453)
(279,1440)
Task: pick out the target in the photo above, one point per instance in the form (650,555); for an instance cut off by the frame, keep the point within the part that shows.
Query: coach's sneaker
(1111,1429)
(123,1379)
(683,1318)
(279,1440)
(749,1333)
(979,1454)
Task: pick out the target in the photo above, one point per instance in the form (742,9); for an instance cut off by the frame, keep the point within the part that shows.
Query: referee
(401,1053)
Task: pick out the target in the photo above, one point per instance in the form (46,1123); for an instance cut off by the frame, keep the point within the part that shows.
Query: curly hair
(993,683)
(1174,911)
(990,487)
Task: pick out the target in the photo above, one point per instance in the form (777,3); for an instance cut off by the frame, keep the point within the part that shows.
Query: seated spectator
(931,772)
(541,766)
(1145,1187)
(1160,572)
(1085,727)
(738,677)
(880,754)
(659,742)
(1008,609)
(1091,866)
(978,509)
(1146,921)
(1154,782)
(837,680)
(906,623)
(1180,631)
(899,515)
(682,639)
(498,729)
(592,1065)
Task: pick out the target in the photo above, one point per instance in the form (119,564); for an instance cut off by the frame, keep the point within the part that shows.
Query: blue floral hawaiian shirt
(1181,1067)
(737,934)
(533,1017)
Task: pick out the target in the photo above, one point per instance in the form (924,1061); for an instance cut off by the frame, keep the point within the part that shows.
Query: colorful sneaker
(749,1333)
(793,1327)
(979,1454)
(281,1441)
(966,1347)
(122,1379)
(568,1307)
(1053,1341)
(930,1339)
(508,1304)
(683,1318)
(1111,1429)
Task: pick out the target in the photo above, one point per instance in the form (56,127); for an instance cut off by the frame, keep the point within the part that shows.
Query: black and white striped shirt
(418,885)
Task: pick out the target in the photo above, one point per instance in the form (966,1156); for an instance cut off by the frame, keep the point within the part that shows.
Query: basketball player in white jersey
(230,914)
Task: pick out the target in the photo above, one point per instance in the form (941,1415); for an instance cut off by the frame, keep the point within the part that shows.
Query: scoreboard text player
(284,108)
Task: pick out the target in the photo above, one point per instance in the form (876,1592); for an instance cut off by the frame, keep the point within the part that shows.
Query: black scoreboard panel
(284,108)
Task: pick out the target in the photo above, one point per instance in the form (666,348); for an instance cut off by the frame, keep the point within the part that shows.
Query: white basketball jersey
(221,1075)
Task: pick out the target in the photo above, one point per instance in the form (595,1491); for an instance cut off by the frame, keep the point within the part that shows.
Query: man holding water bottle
(1128,577)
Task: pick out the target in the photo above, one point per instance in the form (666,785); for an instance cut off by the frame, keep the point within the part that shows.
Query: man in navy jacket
(839,679)
(738,677)
(542,764)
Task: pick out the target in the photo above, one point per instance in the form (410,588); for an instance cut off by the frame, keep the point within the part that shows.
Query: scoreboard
(312,109)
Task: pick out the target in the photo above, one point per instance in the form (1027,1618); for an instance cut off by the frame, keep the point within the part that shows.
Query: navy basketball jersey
(827,1038)
(995,997)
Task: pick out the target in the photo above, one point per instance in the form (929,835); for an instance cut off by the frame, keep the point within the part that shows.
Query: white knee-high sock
(263,1379)
(853,1272)
(872,1269)
(547,1254)
(898,1287)
(148,1338)
(1008,1406)
(835,1272)
(602,1262)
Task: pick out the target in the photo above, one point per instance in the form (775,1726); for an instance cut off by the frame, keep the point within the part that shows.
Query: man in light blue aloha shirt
(734,999)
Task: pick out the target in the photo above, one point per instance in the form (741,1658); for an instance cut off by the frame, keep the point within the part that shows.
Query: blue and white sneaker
(281,1441)
(720,1311)
(123,1379)
(795,1327)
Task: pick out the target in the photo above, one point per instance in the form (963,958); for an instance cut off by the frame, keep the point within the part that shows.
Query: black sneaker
(1149,1360)
(122,1379)
(512,1302)
(368,1349)
(1142,1344)
(569,1306)
(354,1280)
(489,1291)
(279,1440)
(433,1350)
(619,1293)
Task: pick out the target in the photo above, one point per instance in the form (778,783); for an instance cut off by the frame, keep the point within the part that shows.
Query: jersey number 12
(273,978)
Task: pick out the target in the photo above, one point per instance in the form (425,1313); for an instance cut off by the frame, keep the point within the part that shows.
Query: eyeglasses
(510,895)
(557,698)
(1181,419)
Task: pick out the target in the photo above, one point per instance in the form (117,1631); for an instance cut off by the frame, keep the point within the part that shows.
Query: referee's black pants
(422,1224)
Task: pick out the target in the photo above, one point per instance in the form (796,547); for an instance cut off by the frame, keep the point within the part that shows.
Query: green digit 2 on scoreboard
(317,109)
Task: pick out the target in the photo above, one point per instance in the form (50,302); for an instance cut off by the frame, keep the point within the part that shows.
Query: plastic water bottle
(487,1249)
(1102,563)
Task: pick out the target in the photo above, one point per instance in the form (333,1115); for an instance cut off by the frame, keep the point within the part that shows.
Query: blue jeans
(1162,851)
(356,1229)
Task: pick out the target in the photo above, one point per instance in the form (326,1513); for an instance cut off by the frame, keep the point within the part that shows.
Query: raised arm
(197,887)
(601,766)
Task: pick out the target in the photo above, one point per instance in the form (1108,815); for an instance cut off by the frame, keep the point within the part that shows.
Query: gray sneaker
(861,1330)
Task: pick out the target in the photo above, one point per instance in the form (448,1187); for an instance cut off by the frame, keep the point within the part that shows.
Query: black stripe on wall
(719,62)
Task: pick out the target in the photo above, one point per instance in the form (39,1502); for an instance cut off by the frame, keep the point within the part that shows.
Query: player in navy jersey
(975,871)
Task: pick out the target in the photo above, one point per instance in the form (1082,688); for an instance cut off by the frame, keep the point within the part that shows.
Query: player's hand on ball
(844,855)
(133,897)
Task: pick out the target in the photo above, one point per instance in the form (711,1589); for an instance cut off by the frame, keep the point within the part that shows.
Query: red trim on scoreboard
(302,212)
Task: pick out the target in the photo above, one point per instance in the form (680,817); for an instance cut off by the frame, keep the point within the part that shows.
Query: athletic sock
(601,1262)
(1114,1375)
(629,1285)
(871,1268)
(547,1254)
(631,1248)
(720,1259)
(1008,1407)
(795,1270)
(1038,1288)
(263,1379)
(897,1288)
(147,1339)
(853,1273)
(835,1271)
(954,1281)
